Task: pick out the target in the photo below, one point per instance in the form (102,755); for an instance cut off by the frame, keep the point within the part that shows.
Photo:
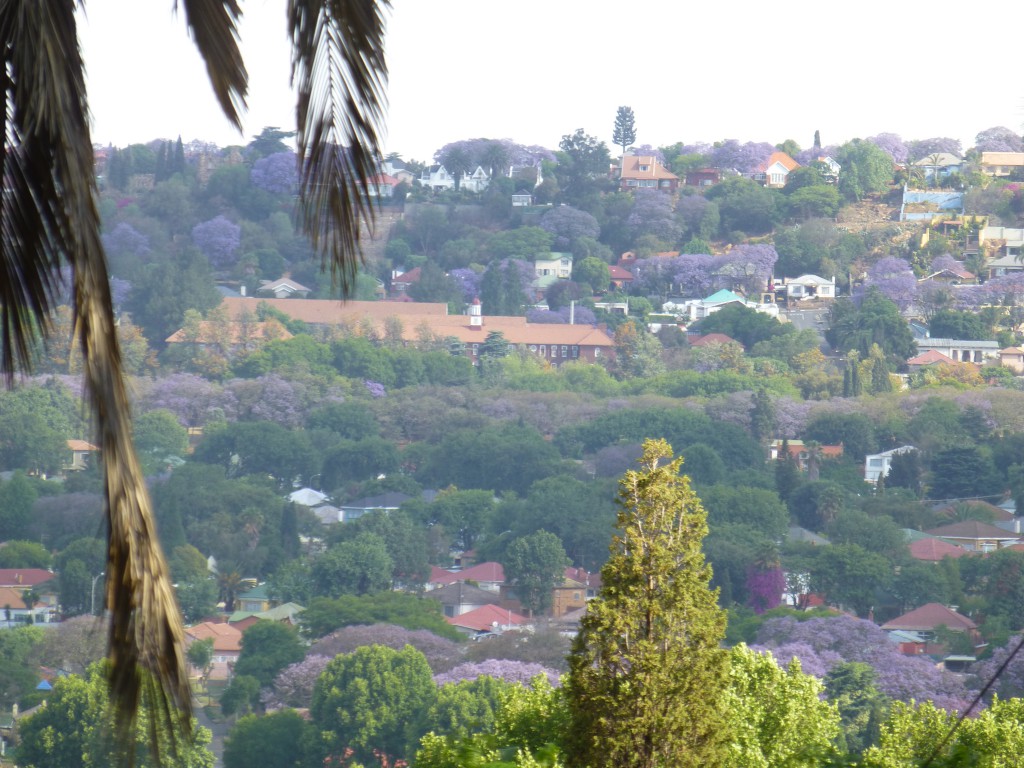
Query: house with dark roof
(386,502)
(975,536)
(459,597)
(926,619)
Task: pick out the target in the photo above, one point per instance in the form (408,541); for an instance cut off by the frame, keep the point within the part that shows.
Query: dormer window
(645,167)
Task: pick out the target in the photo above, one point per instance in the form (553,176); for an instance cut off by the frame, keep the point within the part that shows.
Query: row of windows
(567,350)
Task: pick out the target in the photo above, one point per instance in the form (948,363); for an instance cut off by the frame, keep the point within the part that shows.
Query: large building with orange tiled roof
(645,171)
(555,343)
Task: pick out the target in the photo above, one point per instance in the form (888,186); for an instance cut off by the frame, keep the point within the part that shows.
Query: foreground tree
(647,675)
(49,218)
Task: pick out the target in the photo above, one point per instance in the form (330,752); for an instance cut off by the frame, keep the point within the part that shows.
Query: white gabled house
(698,309)
(809,287)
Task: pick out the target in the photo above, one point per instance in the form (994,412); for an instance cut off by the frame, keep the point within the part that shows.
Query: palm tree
(49,219)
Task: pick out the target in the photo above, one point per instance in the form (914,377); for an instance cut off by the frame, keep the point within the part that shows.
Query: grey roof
(979,343)
(389,500)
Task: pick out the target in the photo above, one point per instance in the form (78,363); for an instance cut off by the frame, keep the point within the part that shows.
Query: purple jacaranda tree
(921,148)
(751,264)
(791,416)
(580,316)
(895,280)
(441,654)
(119,291)
(733,408)
(699,148)
(945,261)
(568,224)
(218,239)
(899,677)
(654,276)
(691,211)
(271,398)
(745,158)
(124,240)
(191,398)
(469,283)
(652,215)
(765,585)
(692,273)
(375,389)
(646,150)
(276,173)
(293,686)
(998,139)
(892,145)
(1010,683)
(500,669)
(811,154)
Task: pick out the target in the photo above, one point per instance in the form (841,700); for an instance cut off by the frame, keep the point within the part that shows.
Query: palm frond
(339,69)
(48,214)
(213,25)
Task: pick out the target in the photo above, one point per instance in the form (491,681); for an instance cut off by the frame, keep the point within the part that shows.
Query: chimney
(572,312)
(241,290)
(476,320)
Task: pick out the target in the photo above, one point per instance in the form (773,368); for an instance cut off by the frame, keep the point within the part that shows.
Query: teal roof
(256,593)
(723,297)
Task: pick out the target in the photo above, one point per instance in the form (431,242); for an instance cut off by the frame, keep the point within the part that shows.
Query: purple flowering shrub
(218,239)
(275,173)
(500,669)
(375,388)
(442,654)
(843,639)
(293,686)
(765,588)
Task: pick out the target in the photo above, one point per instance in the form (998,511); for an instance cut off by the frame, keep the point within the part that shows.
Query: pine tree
(161,163)
(817,139)
(646,674)
(787,473)
(177,162)
(624,132)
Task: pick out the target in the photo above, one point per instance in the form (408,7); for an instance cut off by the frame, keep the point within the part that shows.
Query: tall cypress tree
(624,131)
(646,671)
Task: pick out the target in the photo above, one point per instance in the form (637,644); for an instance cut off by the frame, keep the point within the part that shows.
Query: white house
(961,350)
(809,287)
(556,265)
(877,465)
(437,177)
(697,309)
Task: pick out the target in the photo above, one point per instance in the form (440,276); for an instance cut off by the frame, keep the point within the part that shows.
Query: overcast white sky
(533,70)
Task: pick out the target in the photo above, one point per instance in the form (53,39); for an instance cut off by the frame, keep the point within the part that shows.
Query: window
(543,350)
(645,167)
(533,348)
(554,350)
(565,351)
(597,352)
(575,351)
(476,349)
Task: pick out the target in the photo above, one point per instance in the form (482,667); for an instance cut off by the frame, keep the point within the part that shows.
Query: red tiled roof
(226,637)
(489,571)
(23,578)
(486,617)
(930,616)
(931,357)
(631,168)
(410,277)
(615,272)
(12,598)
(779,157)
(711,338)
(934,550)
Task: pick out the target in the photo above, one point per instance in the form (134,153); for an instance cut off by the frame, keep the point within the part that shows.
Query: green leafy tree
(862,708)
(534,565)
(583,162)
(624,131)
(867,170)
(76,729)
(647,675)
(324,615)
(17,496)
(637,352)
(275,740)
(374,701)
(962,471)
(267,648)
(357,567)
(593,272)
(24,554)
(777,715)
(876,321)
(242,696)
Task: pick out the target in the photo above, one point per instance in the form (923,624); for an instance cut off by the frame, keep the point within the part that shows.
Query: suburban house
(253,600)
(829,168)
(646,172)
(488,576)
(459,597)
(286,613)
(774,171)
(14,608)
(227,645)
(522,199)
(487,620)
(877,465)
(930,358)
(420,322)
(975,536)
(398,170)
(556,265)
(950,276)
(932,549)
(799,452)
(697,309)
(939,165)
(930,617)
(382,185)
(961,350)
(807,287)
(402,281)
(437,177)
(283,288)
(703,177)
(924,205)
(1001,242)
(1001,163)
(81,456)
(619,277)
(386,502)
(707,339)
(1012,358)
